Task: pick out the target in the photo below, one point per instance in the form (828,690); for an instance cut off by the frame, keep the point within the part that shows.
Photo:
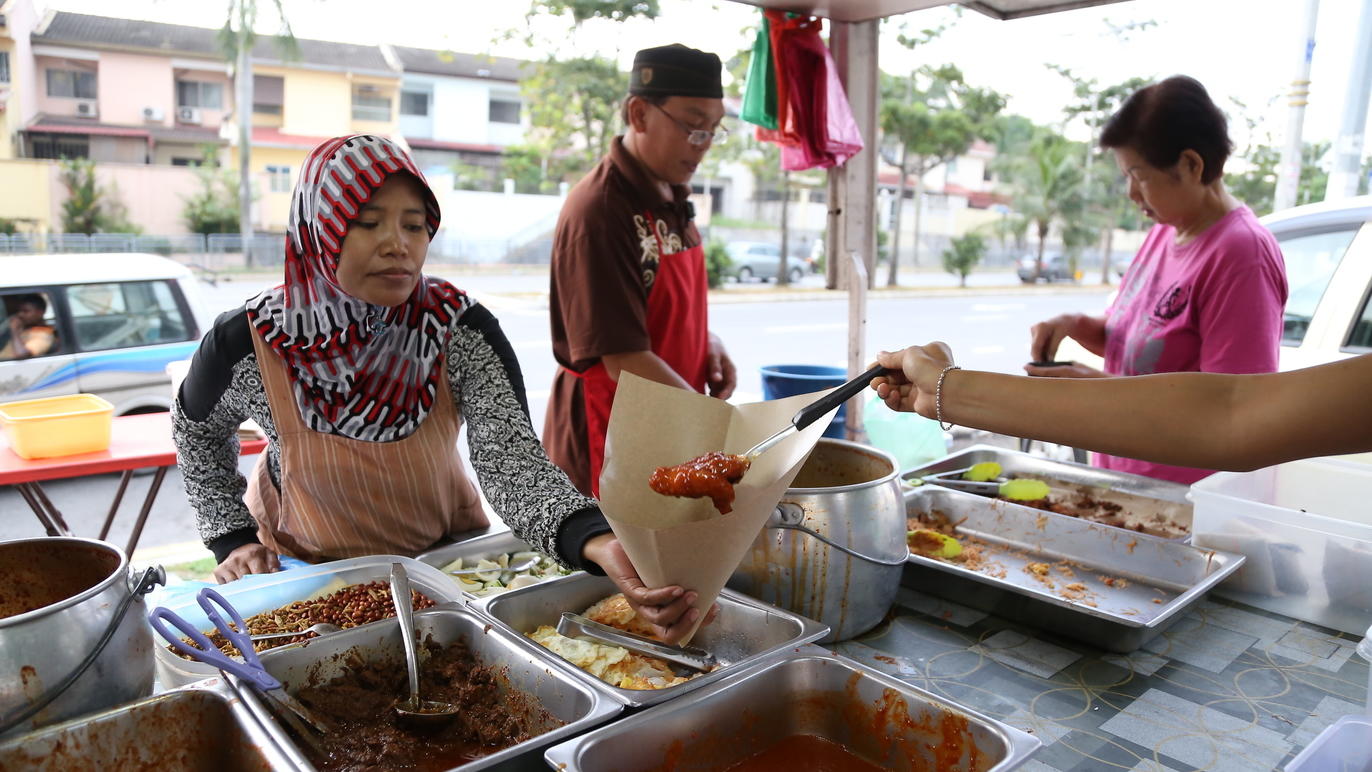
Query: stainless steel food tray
(1145,498)
(564,697)
(484,546)
(745,632)
(203,727)
(890,722)
(1117,618)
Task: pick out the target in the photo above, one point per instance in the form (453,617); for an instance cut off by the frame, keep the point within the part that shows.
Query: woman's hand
(1046,336)
(667,609)
(247,559)
(914,375)
(1069,370)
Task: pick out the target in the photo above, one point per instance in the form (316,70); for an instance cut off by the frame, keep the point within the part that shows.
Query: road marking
(998,306)
(786,328)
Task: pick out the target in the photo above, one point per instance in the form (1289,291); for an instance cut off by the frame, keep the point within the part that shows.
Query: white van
(110,325)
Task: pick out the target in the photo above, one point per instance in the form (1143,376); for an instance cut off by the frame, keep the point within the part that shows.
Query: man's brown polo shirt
(604,261)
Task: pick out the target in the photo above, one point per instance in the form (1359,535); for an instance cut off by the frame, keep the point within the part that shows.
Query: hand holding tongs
(250,669)
(573,625)
(815,410)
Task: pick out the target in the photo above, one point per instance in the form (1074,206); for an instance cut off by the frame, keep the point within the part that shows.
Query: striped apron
(343,498)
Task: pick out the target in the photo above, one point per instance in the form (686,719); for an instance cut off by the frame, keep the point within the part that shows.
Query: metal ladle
(413,709)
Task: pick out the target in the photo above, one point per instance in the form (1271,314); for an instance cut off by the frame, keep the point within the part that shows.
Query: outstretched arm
(1205,420)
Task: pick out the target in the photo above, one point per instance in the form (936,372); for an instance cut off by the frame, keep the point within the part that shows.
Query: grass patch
(201,570)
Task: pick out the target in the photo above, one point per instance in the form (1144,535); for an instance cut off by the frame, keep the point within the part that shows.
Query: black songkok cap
(676,70)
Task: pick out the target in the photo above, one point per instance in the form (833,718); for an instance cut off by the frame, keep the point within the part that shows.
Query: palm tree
(236,39)
(1047,187)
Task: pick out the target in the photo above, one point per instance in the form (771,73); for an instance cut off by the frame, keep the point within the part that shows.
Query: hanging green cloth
(760,94)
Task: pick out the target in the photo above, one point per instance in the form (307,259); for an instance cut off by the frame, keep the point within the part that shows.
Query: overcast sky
(1243,50)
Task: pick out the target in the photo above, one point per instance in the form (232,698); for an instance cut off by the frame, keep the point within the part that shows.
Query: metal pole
(243,81)
(1343,179)
(1289,170)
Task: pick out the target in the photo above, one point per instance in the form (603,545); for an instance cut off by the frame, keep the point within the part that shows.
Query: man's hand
(722,377)
(247,559)
(667,609)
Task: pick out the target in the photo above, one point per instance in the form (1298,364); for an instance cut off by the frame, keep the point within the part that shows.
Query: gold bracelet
(938,397)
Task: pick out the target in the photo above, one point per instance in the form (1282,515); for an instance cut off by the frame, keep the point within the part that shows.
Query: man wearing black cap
(628,289)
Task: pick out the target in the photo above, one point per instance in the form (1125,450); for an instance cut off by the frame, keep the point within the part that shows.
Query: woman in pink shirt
(1206,290)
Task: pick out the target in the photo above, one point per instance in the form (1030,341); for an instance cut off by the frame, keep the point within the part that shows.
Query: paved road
(987,330)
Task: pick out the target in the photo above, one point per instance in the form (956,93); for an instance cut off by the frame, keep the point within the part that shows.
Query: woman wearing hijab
(361,370)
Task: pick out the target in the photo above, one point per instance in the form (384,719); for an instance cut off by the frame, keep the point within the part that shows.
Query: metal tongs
(250,670)
(954,480)
(815,410)
(574,625)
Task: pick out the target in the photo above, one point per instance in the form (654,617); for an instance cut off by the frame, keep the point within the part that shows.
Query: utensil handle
(400,596)
(209,598)
(205,651)
(815,410)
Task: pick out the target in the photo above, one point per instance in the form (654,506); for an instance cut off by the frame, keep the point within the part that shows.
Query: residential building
(460,108)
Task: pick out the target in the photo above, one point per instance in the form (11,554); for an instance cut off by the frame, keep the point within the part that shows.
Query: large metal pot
(58,598)
(835,547)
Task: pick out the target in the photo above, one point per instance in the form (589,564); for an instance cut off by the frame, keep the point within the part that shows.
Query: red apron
(678,328)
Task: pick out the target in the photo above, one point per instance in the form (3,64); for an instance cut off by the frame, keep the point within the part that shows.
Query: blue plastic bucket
(789,380)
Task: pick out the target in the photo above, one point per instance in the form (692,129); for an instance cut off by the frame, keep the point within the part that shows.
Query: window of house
(71,84)
(178,161)
(370,106)
(57,146)
(504,110)
(414,103)
(279,179)
(4,66)
(124,314)
(194,93)
(1310,263)
(268,94)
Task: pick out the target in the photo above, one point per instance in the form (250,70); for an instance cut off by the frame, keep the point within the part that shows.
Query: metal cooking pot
(58,598)
(835,547)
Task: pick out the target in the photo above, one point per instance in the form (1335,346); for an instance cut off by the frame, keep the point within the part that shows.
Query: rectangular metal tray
(199,728)
(889,722)
(745,632)
(1115,618)
(579,707)
(484,546)
(1145,498)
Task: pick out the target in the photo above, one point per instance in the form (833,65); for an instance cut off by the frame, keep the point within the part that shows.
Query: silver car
(761,260)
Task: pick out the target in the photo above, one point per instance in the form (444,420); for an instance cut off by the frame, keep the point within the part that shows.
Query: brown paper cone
(687,542)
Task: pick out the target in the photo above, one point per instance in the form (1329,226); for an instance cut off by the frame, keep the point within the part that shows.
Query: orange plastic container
(57,426)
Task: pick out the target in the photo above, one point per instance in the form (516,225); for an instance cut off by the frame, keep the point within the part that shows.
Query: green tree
(963,254)
(214,207)
(573,109)
(1256,186)
(1103,194)
(717,263)
(928,119)
(1047,186)
(237,38)
(585,10)
(90,207)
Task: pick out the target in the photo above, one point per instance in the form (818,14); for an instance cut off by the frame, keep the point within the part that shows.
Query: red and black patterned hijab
(364,371)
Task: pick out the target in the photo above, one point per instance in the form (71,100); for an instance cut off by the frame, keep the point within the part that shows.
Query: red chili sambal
(713,474)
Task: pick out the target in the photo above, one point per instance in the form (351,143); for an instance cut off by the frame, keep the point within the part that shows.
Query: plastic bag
(815,120)
(760,96)
(913,439)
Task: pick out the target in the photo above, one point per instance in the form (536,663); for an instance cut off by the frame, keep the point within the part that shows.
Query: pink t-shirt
(1213,305)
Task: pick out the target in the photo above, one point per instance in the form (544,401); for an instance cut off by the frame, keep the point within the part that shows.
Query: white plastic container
(1306,528)
(262,592)
(1344,747)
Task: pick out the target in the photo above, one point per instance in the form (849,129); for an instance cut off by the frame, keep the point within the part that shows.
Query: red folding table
(136,442)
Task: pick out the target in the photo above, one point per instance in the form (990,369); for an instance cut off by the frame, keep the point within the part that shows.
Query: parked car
(118,320)
(1328,251)
(1055,268)
(760,260)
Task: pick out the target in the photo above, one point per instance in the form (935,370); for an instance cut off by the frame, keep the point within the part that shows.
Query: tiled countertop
(1228,688)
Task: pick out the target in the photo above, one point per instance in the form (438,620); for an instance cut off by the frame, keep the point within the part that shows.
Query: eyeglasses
(697,137)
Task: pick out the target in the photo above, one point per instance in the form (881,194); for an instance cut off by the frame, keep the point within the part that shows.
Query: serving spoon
(413,709)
